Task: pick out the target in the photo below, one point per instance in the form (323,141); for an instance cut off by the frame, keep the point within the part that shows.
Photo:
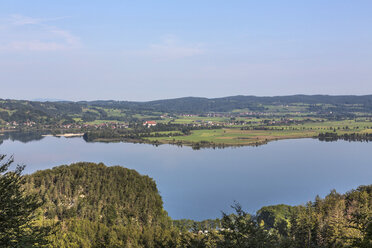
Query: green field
(97,122)
(196,119)
(167,132)
(236,136)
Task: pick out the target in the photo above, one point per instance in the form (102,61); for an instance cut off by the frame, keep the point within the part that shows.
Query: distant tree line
(329,136)
(137,131)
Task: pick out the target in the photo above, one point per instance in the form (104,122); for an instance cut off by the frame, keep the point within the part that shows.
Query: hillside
(92,202)
(69,112)
(253,103)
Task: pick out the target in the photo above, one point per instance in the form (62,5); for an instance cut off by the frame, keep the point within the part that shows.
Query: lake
(199,184)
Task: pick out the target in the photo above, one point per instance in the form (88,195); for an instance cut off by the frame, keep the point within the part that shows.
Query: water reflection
(23,137)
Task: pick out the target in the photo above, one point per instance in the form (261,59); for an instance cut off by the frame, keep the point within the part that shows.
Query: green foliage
(18,210)
(47,113)
(192,225)
(358,204)
(336,221)
(196,105)
(240,230)
(276,218)
(110,195)
(40,112)
(346,136)
(99,206)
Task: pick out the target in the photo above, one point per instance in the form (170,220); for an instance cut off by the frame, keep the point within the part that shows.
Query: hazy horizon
(141,51)
(148,100)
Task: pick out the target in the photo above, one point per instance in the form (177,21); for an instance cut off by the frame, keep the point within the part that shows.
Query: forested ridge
(111,195)
(65,111)
(92,205)
(253,103)
(99,206)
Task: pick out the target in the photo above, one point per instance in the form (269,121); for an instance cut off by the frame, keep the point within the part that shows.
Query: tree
(360,215)
(240,230)
(18,210)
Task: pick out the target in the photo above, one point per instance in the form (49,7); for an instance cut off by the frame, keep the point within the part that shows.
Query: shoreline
(195,145)
(66,135)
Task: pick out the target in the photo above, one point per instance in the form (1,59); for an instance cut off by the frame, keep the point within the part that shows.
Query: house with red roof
(150,123)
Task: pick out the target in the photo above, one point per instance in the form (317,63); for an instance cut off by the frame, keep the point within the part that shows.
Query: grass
(97,122)
(346,125)
(114,112)
(77,119)
(286,108)
(144,117)
(195,119)
(236,136)
(85,110)
(167,132)
(10,112)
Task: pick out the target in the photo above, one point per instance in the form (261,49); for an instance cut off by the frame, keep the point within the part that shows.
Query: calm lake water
(199,184)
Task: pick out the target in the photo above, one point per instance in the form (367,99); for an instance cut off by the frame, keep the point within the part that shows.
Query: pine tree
(240,230)
(18,210)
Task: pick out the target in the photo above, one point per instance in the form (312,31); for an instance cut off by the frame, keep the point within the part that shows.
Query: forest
(92,205)
(69,112)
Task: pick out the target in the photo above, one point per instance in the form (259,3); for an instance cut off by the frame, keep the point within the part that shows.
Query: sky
(147,50)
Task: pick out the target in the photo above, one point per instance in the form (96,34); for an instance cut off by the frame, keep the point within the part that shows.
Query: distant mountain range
(226,104)
(48,100)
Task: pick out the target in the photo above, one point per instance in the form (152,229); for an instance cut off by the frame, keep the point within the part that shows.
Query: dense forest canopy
(111,195)
(99,206)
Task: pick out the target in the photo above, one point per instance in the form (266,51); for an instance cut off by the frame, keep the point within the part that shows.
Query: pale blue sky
(144,50)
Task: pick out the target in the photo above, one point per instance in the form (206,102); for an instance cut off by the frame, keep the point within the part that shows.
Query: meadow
(234,136)
(231,136)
